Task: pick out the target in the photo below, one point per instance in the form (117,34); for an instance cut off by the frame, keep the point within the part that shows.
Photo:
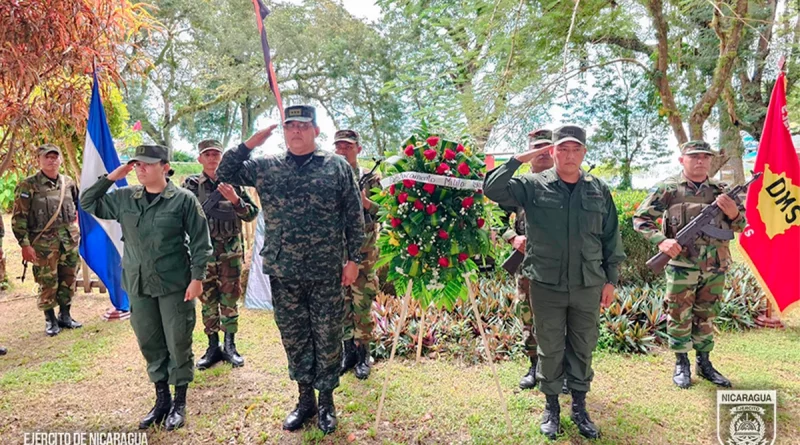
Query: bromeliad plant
(435,223)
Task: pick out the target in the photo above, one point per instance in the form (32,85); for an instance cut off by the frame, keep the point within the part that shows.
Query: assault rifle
(365,179)
(701,224)
(210,208)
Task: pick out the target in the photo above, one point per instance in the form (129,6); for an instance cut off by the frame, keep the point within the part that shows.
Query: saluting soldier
(163,270)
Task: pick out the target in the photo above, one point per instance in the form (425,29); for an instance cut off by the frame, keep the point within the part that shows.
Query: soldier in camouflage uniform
(53,252)
(358,298)
(694,283)
(312,213)
(222,287)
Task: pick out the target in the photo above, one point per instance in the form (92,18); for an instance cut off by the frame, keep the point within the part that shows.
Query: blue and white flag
(101,239)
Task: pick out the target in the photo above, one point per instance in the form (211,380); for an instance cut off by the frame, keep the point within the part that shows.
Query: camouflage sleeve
(97,202)
(374,206)
(613,251)
(236,167)
(501,187)
(740,222)
(649,211)
(353,216)
(249,211)
(19,216)
(196,226)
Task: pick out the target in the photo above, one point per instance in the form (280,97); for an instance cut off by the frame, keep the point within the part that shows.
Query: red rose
(466,203)
(402,198)
(431,209)
(449,154)
(429,154)
(460,148)
(444,262)
(413,249)
(463,168)
(462,257)
(418,205)
(433,141)
(396,222)
(443,234)
(409,151)
(430,188)
(408,183)
(391,189)
(481,222)
(442,168)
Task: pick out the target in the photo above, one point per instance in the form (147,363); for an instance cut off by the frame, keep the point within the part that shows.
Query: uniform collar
(708,182)
(204,177)
(317,153)
(167,193)
(43,179)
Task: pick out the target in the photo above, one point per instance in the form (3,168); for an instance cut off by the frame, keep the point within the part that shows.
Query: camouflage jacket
(573,238)
(312,213)
(202,186)
(371,225)
(158,258)
(518,226)
(678,200)
(36,199)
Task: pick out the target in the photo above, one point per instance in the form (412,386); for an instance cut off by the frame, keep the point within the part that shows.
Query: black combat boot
(305,409)
(551,418)
(349,356)
(177,416)
(581,418)
(362,367)
(230,353)
(51,323)
(529,380)
(326,416)
(683,374)
(213,354)
(3,351)
(707,371)
(159,413)
(65,320)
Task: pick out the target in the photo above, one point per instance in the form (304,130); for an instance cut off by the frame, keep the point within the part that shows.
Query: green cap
(300,113)
(150,154)
(693,147)
(540,137)
(569,133)
(47,148)
(346,136)
(209,144)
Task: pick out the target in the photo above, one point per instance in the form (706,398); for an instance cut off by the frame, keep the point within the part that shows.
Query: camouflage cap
(692,147)
(47,148)
(540,137)
(567,133)
(346,136)
(150,154)
(209,144)
(300,113)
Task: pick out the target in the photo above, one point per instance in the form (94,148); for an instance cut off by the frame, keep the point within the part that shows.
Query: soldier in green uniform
(45,223)
(167,249)
(222,287)
(573,251)
(312,213)
(358,298)
(694,283)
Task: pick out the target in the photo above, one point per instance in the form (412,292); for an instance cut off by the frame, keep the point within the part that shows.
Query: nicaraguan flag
(101,239)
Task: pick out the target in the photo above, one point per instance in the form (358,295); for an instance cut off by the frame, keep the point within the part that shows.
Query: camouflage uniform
(523,287)
(36,200)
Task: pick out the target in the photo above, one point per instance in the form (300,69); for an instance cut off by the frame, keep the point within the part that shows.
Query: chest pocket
(322,193)
(168,224)
(593,210)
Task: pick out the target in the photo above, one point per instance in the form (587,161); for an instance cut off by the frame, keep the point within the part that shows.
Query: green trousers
(163,327)
(567,330)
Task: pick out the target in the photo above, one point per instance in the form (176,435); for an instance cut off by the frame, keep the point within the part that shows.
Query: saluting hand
(194,290)
(120,172)
(260,137)
(349,274)
(607,295)
(530,154)
(229,193)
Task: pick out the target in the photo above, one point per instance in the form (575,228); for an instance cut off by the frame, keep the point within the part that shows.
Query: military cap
(300,113)
(567,133)
(209,144)
(693,147)
(150,154)
(47,148)
(346,136)
(540,137)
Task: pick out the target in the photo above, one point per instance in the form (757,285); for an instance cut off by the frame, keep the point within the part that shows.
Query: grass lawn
(93,379)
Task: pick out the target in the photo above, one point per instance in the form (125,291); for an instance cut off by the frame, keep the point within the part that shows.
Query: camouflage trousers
(55,274)
(222,287)
(358,299)
(309,315)
(526,315)
(691,307)
(2,266)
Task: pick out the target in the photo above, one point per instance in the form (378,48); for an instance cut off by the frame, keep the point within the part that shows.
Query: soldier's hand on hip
(194,290)
(29,254)
(607,295)
(728,206)
(670,247)
(120,172)
(519,242)
(350,273)
(260,137)
(229,193)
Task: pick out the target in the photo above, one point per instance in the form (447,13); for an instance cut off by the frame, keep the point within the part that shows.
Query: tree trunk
(731,143)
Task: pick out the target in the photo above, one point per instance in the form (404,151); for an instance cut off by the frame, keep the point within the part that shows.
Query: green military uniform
(694,283)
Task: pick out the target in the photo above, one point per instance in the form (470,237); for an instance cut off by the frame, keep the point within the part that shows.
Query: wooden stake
(421,332)
(488,351)
(398,327)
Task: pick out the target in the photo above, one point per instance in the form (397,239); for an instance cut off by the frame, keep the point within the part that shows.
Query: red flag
(771,240)
(261,13)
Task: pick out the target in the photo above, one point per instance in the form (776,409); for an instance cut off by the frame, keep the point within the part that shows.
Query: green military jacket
(573,239)
(36,200)
(167,243)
